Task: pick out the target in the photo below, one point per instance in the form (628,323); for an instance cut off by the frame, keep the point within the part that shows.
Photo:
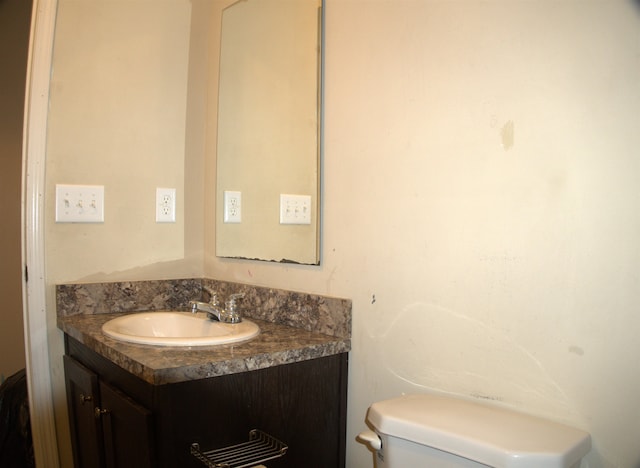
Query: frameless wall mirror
(268,145)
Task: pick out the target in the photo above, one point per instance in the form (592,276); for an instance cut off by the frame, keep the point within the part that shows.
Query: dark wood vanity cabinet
(139,424)
(109,429)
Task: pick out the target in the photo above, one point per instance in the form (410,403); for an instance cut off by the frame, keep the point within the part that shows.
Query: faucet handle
(231,304)
(213,295)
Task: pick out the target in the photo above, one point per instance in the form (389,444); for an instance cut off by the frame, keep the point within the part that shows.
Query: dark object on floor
(16,445)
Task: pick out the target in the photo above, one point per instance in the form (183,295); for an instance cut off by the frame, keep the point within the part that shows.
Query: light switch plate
(79,203)
(295,209)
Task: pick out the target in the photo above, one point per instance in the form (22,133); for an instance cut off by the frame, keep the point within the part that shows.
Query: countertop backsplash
(321,314)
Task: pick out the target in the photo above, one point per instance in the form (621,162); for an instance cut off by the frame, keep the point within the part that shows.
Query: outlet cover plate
(165,205)
(232,206)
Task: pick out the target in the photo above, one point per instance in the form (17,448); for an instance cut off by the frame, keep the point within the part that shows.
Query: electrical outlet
(165,205)
(295,209)
(232,207)
(79,203)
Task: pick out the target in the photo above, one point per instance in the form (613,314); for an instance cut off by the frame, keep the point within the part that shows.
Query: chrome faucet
(227,314)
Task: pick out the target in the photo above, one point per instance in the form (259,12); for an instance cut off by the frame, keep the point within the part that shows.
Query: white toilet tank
(416,431)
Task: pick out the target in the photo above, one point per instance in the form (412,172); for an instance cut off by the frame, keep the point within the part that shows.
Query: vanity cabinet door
(127,428)
(108,428)
(82,399)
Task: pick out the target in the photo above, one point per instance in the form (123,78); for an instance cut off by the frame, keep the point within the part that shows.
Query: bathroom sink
(177,329)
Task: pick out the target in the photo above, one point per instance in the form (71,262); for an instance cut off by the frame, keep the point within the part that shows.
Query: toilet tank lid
(486,434)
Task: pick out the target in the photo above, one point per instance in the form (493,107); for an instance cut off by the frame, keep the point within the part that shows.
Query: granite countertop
(275,345)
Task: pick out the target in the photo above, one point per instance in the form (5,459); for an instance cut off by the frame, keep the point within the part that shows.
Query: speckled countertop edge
(275,345)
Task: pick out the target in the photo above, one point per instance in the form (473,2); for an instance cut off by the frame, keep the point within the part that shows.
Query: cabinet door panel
(82,398)
(128,430)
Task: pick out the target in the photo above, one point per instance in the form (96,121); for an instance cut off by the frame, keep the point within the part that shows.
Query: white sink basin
(177,329)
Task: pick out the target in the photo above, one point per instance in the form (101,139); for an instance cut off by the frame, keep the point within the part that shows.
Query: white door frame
(33,190)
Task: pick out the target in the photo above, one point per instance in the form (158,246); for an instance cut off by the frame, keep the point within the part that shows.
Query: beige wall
(479,190)
(118,119)
(482,265)
(15,16)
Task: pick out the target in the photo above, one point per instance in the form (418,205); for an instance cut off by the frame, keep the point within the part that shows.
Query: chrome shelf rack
(261,447)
